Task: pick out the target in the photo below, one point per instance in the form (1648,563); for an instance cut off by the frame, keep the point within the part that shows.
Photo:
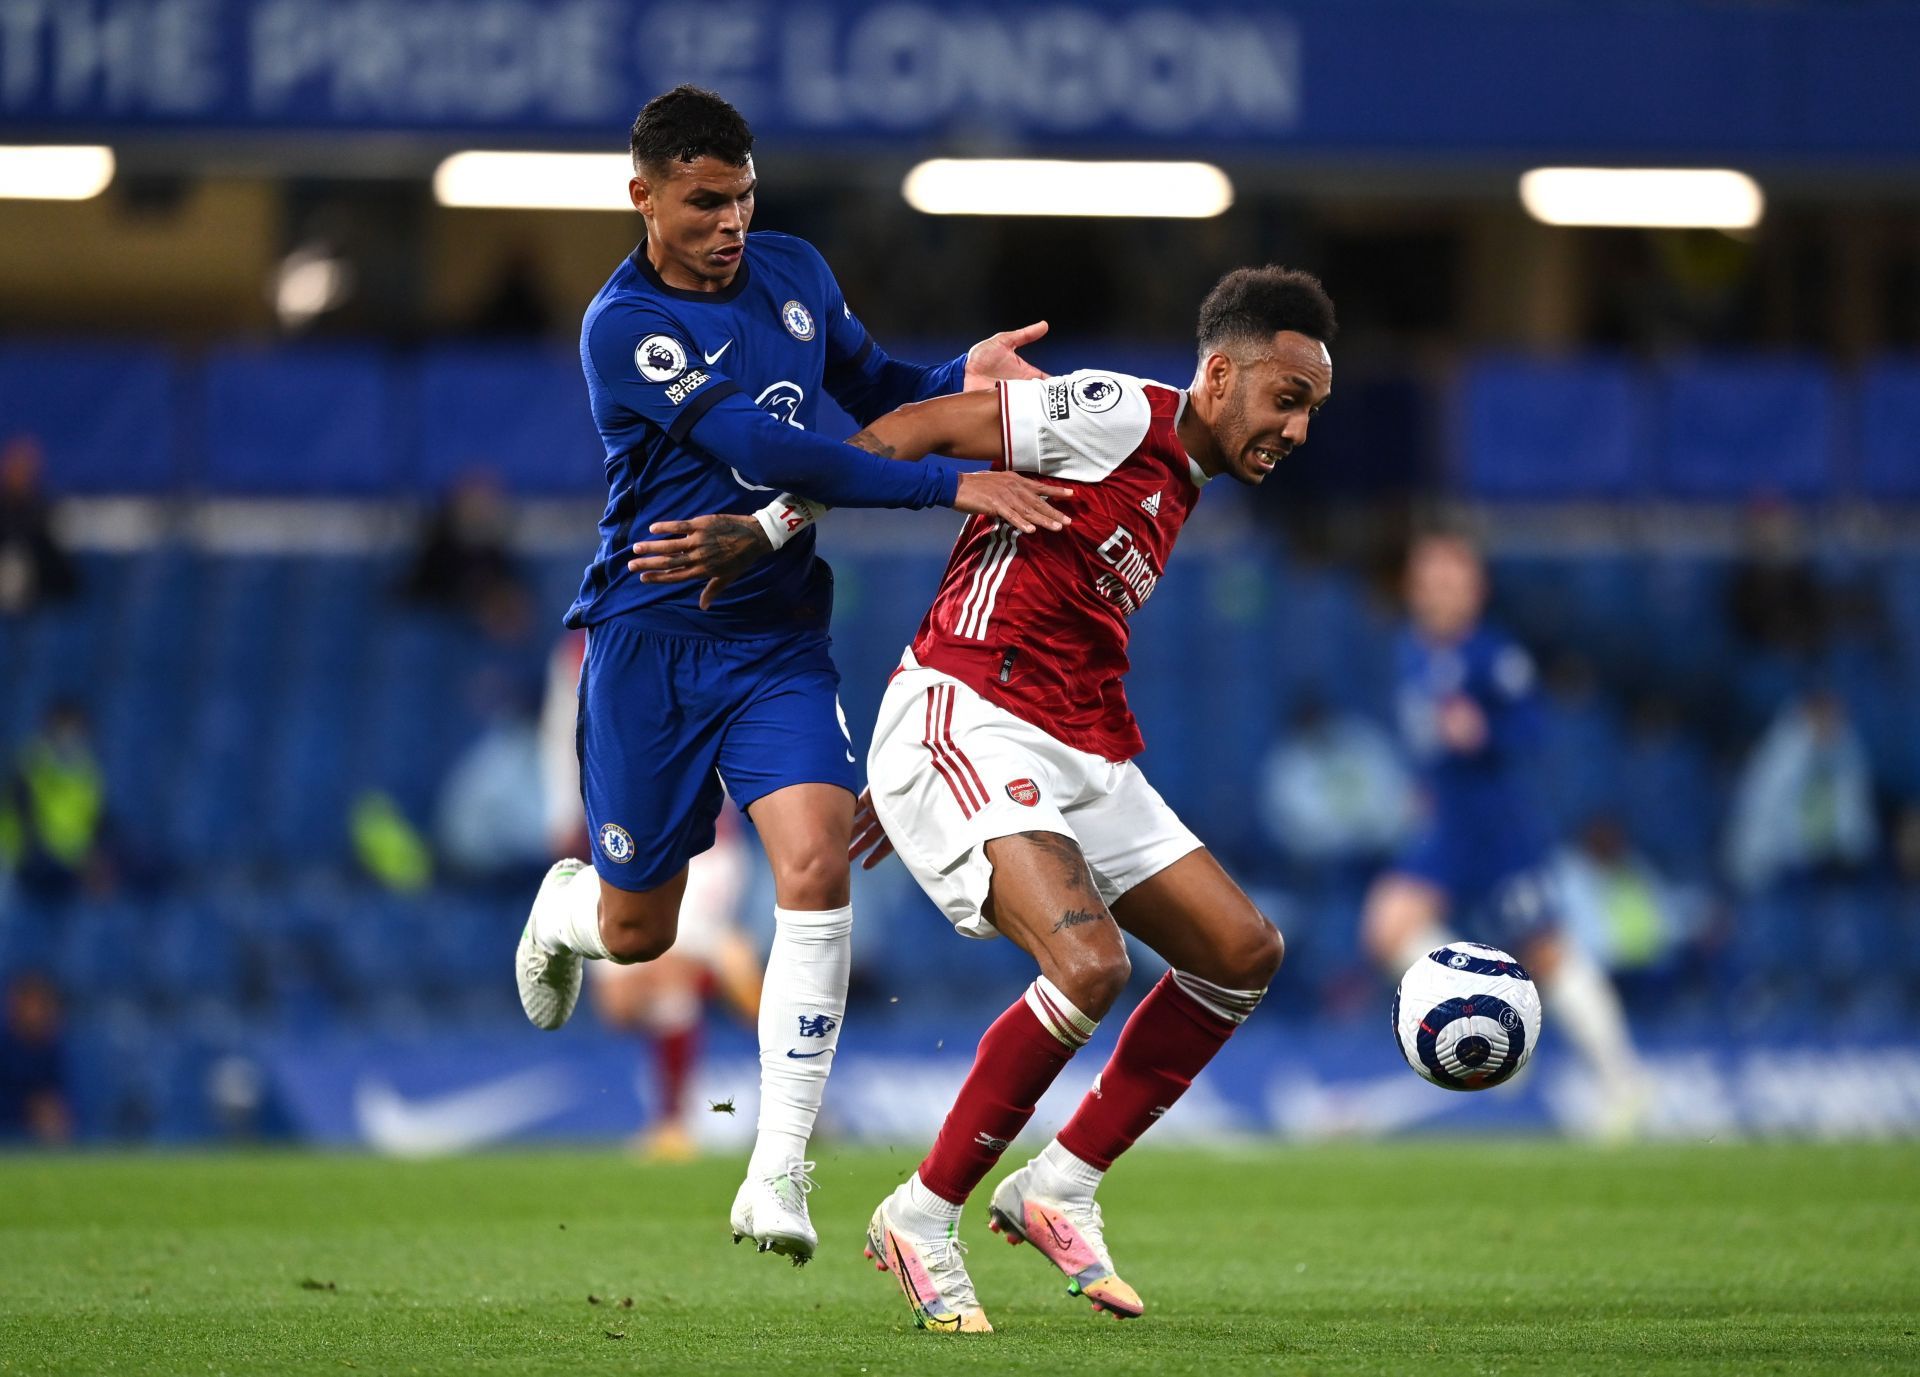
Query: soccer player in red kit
(1001,773)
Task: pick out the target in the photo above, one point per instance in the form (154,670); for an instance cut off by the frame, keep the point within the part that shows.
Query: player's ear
(1219,374)
(640,194)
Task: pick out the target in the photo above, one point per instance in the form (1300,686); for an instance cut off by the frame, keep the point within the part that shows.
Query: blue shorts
(1501,894)
(665,719)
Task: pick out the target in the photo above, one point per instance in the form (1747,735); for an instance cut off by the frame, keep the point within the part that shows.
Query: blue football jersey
(1497,675)
(699,398)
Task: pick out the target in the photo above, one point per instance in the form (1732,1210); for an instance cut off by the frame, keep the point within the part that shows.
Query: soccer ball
(1466,1016)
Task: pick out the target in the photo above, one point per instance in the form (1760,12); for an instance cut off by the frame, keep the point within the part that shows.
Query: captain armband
(786,516)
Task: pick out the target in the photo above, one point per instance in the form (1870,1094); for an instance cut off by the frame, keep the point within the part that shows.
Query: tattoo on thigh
(1074,917)
(1063,850)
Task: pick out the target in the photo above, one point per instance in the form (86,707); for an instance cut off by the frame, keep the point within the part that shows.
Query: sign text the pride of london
(1829,86)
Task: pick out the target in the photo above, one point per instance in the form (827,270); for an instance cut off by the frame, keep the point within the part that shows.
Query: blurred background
(297,477)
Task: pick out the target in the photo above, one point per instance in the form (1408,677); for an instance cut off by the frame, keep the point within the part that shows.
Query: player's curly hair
(687,123)
(1252,305)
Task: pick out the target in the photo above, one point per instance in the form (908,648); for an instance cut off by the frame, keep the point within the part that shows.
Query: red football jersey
(1038,623)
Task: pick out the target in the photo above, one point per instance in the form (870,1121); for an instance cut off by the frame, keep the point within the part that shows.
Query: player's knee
(1259,957)
(1093,977)
(814,880)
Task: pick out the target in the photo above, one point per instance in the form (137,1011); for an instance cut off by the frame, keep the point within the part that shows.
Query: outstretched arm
(966,425)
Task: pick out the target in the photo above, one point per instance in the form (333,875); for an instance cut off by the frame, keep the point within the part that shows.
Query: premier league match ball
(1467,1017)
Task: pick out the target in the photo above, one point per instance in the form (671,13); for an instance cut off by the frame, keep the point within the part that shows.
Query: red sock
(673,1057)
(1166,1043)
(1019,1057)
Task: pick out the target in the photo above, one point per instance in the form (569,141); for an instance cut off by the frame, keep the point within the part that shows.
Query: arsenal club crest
(1024,792)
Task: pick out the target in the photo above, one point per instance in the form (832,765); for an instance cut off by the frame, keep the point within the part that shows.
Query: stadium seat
(106,415)
(1552,430)
(307,421)
(1890,430)
(518,413)
(1735,429)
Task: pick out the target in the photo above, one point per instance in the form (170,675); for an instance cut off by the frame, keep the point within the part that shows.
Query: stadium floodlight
(534,181)
(1037,186)
(54,172)
(1643,197)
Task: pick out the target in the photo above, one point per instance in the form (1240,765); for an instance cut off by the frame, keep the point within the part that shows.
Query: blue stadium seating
(309,420)
(1736,429)
(1534,429)
(106,414)
(1890,430)
(339,420)
(518,413)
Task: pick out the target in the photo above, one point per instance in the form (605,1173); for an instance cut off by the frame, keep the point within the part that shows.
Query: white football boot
(772,1211)
(1070,1234)
(549,981)
(931,1270)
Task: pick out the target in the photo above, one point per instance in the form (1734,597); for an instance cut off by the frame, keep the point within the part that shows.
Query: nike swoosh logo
(802,1056)
(463,1119)
(714,357)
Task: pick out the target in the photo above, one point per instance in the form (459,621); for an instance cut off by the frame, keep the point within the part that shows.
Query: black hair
(1252,305)
(685,123)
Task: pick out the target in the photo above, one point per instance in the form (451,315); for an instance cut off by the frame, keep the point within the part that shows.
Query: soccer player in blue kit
(705,355)
(1470,719)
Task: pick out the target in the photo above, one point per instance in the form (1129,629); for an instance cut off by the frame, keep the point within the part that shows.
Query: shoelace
(945,1257)
(797,1177)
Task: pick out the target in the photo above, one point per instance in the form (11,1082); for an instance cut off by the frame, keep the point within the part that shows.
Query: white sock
(801,1008)
(1580,999)
(1063,1174)
(933,1210)
(567,917)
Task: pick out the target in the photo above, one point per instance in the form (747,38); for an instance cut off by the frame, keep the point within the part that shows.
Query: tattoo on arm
(872,444)
(1074,917)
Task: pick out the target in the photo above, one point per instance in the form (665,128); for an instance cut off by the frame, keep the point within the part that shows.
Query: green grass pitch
(1448,1257)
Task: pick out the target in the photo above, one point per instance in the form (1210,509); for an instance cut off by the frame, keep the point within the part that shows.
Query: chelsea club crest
(798,320)
(617,842)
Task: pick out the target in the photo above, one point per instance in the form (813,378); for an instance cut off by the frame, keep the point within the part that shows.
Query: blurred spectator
(1618,907)
(515,304)
(53,809)
(491,818)
(1334,791)
(1804,801)
(1775,600)
(33,567)
(463,562)
(33,1096)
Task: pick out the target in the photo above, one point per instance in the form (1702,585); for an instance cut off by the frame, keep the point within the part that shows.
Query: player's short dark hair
(1252,305)
(685,123)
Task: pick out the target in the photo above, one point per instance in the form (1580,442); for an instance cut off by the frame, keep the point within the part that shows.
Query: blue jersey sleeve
(863,378)
(646,362)
(1503,684)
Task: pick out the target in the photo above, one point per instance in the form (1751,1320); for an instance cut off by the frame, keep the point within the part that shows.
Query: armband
(786,516)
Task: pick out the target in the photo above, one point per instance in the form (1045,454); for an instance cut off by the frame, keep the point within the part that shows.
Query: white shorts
(950,771)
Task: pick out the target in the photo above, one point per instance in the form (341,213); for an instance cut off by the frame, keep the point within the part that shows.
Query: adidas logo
(1151,505)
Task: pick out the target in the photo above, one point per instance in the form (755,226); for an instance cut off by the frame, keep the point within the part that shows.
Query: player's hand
(868,835)
(1018,501)
(1462,725)
(716,548)
(996,357)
